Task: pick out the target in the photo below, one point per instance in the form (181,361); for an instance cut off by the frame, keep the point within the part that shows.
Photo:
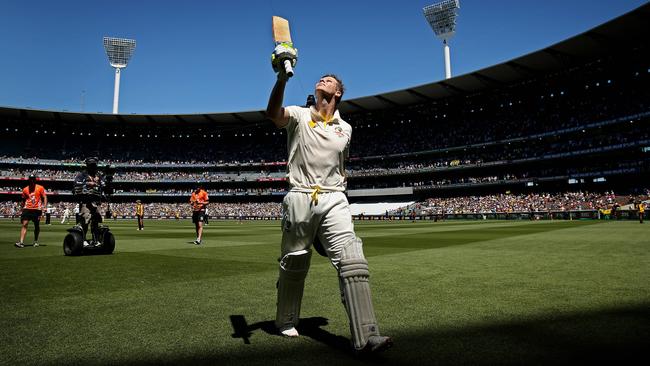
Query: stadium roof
(628,30)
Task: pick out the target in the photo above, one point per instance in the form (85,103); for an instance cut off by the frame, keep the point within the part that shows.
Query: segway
(103,242)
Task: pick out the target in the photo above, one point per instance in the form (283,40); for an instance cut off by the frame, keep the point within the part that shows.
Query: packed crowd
(533,202)
(155,176)
(568,99)
(606,136)
(592,119)
(628,136)
(601,134)
(158,209)
(211,192)
(126,147)
(171,191)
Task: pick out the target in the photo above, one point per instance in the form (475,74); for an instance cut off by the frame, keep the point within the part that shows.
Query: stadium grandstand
(560,129)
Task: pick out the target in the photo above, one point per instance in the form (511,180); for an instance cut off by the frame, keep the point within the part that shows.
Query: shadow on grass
(308,327)
(613,336)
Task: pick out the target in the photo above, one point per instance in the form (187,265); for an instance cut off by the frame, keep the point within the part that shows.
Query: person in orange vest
(199,202)
(34,200)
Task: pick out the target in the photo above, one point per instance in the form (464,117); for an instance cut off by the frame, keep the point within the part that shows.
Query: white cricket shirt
(317,150)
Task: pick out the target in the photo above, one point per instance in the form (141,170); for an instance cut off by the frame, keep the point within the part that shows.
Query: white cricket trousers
(305,219)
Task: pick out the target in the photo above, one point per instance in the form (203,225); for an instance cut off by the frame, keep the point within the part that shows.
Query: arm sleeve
(294,114)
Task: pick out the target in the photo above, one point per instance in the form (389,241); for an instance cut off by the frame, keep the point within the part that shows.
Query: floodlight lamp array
(119,50)
(442,17)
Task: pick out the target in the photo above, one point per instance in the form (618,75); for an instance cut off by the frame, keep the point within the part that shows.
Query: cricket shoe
(35,244)
(19,245)
(377,344)
(289,331)
(197,242)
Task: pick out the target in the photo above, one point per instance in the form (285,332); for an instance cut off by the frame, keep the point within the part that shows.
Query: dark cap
(91,161)
(32,177)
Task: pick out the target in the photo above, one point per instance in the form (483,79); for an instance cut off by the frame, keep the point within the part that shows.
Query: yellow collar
(316,116)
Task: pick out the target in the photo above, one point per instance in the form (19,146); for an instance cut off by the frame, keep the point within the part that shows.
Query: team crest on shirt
(338,131)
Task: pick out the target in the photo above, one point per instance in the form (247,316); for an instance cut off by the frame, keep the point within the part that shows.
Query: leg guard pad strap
(291,283)
(354,268)
(357,299)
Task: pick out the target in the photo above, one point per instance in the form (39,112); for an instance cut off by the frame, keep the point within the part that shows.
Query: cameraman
(87,190)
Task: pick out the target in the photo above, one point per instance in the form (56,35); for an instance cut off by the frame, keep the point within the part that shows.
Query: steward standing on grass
(199,202)
(641,211)
(34,200)
(139,213)
(48,214)
(316,209)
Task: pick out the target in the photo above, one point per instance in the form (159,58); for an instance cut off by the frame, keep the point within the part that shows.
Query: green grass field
(460,292)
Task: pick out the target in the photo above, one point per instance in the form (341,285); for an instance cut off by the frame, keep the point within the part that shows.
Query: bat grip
(287,68)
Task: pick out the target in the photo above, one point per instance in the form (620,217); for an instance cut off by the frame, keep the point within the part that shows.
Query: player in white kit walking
(66,215)
(316,210)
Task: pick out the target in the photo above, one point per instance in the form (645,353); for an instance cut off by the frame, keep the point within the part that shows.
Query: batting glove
(282,52)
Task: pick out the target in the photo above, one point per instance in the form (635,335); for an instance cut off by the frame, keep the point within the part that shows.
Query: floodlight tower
(442,18)
(119,51)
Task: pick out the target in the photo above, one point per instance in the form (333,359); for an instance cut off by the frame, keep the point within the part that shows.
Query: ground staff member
(34,200)
(199,201)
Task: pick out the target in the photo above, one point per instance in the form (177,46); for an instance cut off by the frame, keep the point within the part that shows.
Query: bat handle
(287,68)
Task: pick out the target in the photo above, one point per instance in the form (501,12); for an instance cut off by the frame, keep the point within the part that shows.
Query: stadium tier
(572,117)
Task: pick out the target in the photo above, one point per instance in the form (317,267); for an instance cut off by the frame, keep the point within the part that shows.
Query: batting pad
(291,283)
(354,274)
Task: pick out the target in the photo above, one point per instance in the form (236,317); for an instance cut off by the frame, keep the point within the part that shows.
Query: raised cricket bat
(282,34)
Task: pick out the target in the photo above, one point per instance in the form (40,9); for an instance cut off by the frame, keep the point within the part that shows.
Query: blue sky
(213,56)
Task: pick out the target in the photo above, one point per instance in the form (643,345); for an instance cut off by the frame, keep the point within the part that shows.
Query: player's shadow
(308,327)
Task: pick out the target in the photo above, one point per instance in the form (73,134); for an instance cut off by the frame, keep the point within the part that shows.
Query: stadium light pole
(442,19)
(119,51)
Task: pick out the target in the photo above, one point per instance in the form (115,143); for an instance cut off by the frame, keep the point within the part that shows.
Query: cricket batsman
(316,210)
